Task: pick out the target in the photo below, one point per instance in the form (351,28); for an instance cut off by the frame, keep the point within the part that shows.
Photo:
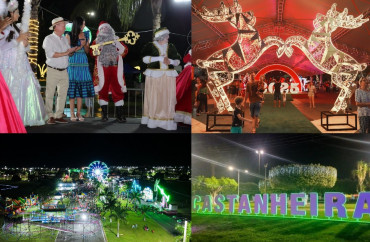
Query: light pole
(238,170)
(259,152)
(186,225)
(265,177)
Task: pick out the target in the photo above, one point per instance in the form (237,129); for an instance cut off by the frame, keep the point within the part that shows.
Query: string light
(322,53)
(222,65)
(244,52)
(42,70)
(34,43)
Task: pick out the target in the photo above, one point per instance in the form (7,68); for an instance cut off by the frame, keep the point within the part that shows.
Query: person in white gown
(18,74)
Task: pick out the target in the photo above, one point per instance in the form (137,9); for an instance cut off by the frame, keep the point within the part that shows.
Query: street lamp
(265,177)
(231,169)
(259,152)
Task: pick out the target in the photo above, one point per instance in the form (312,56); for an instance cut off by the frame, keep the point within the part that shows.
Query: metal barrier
(129,90)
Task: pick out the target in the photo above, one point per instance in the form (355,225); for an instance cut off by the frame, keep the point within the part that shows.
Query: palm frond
(127,10)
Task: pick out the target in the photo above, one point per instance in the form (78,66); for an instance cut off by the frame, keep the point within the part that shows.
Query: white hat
(12,5)
(2,7)
(160,32)
(55,21)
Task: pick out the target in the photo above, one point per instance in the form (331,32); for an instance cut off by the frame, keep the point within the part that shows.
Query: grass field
(226,227)
(139,234)
(286,119)
(242,228)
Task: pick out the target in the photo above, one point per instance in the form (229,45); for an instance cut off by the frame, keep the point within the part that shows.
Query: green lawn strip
(350,207)
(127,233)
(241,228)
(286,119)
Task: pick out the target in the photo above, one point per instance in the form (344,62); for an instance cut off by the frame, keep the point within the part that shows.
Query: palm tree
(144,209)
(135,197)
(126,10)
(361,173)
(34,34)
(120,214)
(156,9)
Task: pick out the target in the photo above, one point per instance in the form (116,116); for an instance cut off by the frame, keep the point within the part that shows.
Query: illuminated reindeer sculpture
(243,53)
(320,50)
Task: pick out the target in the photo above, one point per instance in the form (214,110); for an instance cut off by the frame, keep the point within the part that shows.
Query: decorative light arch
(279,67)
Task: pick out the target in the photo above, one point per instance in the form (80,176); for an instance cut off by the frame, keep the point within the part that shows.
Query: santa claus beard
(109,53)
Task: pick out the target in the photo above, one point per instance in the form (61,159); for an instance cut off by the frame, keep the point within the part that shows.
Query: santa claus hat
(161,31)
(103,24)
(187,58)
(12,5)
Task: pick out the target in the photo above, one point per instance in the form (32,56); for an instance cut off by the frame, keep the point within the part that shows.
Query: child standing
(284,98)
(202,97)
(236,127)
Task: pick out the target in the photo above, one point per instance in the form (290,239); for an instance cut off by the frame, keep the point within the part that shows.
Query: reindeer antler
(220,14)
(344,20)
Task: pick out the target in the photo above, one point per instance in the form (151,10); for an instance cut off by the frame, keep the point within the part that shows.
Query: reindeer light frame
(223,64)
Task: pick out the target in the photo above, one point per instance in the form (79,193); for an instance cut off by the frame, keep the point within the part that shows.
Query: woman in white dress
(17,72)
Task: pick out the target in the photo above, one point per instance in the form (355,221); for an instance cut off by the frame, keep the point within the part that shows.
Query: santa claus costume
(160,82)
(183,92)
(108,74)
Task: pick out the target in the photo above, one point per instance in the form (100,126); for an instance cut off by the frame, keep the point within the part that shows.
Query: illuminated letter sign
(296,202)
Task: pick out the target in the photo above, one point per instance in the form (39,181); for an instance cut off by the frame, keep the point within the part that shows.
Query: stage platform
(94,125)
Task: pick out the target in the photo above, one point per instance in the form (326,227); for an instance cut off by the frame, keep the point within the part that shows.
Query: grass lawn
(139,234)
(239,228)
(217,227)
(286,119)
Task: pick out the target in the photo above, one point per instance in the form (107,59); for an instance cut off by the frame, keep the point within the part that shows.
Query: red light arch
(278,67)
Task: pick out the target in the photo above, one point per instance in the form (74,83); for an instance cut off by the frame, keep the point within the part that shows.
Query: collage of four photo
(184,120)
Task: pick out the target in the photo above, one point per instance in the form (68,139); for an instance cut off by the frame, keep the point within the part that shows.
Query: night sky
(175,16)
(77,150)
(339,151)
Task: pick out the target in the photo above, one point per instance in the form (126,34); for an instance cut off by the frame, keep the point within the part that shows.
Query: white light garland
(322,53)
(248,47)
(243,53)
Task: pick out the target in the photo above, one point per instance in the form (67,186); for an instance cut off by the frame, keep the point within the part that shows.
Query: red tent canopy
(282,18)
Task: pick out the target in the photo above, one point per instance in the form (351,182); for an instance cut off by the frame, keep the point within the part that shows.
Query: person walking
(255,97)
(277,94)
(362,98)
(311,94)
(237,125)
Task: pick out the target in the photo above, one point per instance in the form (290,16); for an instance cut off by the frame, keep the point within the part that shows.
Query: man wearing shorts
(255,99)
(277,94)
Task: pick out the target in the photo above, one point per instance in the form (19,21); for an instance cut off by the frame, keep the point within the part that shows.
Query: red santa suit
(109,74)
(183,92)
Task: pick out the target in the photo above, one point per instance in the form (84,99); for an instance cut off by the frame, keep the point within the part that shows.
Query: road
(90,231)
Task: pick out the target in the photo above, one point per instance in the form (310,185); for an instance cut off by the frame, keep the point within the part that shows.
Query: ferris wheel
(98,170)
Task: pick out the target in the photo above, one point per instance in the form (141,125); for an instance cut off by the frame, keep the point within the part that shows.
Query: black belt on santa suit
(58,69)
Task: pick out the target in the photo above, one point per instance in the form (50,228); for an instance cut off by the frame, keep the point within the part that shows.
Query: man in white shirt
(57,51)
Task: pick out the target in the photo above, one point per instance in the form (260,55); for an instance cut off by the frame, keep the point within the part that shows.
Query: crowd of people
(250,93)
(167,97)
